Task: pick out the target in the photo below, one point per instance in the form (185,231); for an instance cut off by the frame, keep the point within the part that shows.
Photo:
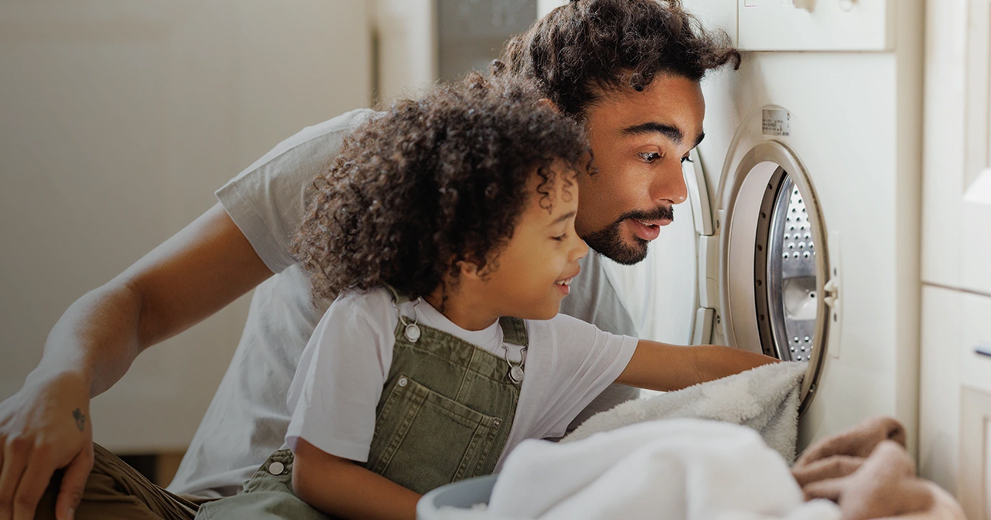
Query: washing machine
(801,235)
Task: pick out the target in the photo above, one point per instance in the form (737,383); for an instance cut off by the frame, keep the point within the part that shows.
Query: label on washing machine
(777,121)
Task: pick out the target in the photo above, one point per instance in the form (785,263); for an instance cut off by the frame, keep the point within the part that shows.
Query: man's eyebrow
(671,132)
(562,218)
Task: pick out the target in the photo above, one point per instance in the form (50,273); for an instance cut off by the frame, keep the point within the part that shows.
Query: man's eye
(649,157)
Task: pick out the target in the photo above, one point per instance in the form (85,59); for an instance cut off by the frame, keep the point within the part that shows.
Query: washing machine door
(777,292)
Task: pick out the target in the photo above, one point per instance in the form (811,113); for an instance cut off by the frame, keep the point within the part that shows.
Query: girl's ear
(469,269)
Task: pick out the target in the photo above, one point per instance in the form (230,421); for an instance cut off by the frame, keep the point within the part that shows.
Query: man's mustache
(658,213)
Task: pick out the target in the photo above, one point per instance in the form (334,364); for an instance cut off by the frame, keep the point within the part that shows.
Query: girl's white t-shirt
(344,367)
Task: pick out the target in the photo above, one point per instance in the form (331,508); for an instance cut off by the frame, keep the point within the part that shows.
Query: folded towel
(672,469)
(765,399)
(867,471)
(858,441)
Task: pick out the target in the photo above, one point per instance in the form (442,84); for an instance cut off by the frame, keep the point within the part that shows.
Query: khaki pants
(115,490)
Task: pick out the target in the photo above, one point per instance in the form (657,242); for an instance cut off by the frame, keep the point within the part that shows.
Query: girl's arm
(659,366)
(340,487)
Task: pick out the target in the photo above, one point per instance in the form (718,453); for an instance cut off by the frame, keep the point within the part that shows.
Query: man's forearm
(96,338)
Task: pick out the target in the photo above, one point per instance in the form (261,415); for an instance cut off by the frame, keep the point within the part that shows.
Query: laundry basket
(463,494)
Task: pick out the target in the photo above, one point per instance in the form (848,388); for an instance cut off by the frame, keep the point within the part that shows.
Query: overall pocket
(424,440)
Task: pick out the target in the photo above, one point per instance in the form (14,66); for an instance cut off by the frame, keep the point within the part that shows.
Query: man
(629,70)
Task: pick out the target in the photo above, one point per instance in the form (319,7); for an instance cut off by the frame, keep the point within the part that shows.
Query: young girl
(446,231)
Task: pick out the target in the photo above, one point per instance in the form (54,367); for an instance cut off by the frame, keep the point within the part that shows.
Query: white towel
(674,469)
(765,399)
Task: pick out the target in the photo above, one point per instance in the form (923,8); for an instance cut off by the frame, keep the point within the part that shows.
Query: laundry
(686,469)
(867,471)
(701,463)
(765,399)
(672,469)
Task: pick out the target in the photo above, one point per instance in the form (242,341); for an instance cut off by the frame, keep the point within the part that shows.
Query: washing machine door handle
(832,293)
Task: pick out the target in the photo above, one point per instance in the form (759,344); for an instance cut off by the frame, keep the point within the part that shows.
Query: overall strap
(396,296)
(514,331)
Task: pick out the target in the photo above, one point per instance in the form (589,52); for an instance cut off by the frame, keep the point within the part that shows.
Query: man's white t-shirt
(248,416)
(344,367)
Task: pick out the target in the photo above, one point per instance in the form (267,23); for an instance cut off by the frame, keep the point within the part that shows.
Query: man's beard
(607,241)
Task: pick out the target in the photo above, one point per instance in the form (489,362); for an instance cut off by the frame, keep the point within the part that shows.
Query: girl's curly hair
(433,182)
(589,46)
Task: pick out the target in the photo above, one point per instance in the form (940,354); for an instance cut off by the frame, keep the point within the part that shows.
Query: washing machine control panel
(816,25)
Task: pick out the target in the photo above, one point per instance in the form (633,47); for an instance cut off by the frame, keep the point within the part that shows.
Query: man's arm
(659,366)
(45,426)
(339,487)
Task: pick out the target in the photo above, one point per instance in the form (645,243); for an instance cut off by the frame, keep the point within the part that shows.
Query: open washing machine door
(751,269)
(778,291)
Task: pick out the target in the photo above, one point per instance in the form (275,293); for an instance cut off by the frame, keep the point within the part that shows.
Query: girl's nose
(580,249)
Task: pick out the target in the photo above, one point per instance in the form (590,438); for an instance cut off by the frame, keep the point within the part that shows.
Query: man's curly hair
(434,182)
(587,47)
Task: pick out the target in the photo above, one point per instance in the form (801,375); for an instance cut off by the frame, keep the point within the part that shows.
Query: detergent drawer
(816,25)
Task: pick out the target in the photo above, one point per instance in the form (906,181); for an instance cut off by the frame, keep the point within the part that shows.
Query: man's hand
(43,427)
(46,425)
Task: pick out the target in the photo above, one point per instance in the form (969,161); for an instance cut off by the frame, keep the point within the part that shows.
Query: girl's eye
(649,157)
(687,159)
(559,238)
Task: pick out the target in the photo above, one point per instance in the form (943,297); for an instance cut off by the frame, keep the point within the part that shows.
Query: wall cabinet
(955,400)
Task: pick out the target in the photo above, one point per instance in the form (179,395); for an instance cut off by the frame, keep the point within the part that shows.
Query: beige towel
(868,473)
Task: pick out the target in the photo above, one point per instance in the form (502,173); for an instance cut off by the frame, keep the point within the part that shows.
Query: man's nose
(669,185)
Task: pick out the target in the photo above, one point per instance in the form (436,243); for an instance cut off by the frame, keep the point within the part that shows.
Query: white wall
(407,47)
(546,6)
(118,120)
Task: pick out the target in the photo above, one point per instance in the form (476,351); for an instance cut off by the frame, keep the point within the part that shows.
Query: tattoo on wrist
(80,419)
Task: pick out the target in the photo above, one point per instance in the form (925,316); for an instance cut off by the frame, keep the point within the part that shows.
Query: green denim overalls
(445,414)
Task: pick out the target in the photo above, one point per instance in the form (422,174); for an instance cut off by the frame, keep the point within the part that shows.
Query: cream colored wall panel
(952,428)
(118,120)
(975,454)
(940,377)
(957,164)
